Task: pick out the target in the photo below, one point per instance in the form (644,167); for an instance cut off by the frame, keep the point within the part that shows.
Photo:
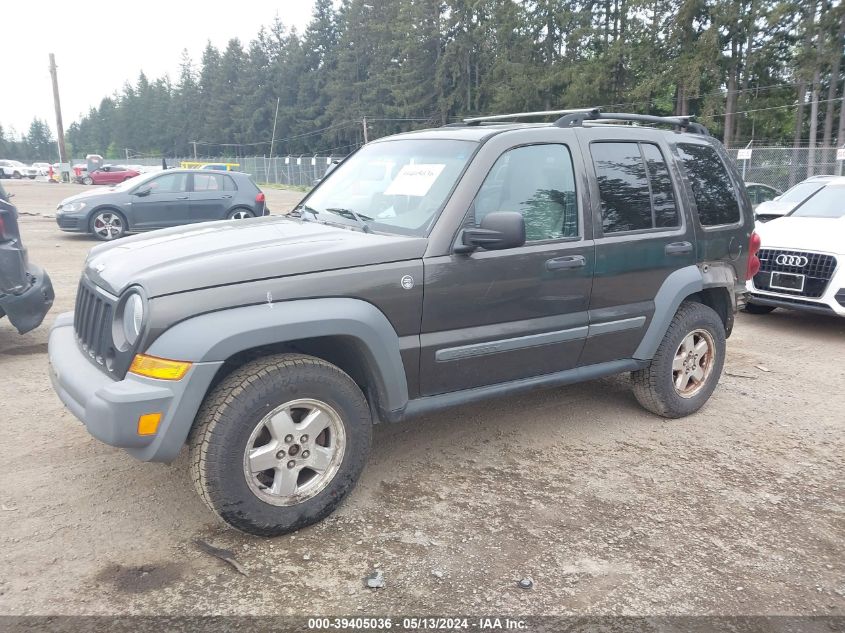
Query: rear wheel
(240,214)
(108,225)
(756,308)
(279,443)
(687,365)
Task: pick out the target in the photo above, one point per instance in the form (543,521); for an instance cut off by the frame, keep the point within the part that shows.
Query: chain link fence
(297,171)
(782,167)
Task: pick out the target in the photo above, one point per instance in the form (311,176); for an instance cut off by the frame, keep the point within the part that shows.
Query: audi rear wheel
(756,308)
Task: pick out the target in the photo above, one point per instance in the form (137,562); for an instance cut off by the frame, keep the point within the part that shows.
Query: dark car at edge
(26,292)
(161,200)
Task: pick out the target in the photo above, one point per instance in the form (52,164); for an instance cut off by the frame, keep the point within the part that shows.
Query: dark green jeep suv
(429,270)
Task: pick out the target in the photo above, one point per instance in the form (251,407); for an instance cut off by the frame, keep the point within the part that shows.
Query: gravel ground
(738,509)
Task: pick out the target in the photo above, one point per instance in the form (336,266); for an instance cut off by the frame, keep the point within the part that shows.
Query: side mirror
(144,191)
(498,231)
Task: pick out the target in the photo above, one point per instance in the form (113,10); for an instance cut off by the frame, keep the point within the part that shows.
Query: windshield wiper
(352,215)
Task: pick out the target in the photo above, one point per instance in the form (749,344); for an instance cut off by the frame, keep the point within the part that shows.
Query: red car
(109,175)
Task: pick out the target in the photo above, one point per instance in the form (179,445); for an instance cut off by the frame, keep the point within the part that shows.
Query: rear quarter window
(712,187)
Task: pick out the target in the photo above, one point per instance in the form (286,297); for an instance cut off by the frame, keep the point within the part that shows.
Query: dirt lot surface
(739,509)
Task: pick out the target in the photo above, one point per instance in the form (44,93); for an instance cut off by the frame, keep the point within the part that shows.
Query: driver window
(171,183)
(537,181)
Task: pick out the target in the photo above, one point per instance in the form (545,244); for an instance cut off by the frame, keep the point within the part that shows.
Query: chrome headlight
(72,207)
(128,321)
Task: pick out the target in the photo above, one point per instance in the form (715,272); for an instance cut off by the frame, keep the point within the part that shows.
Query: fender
(677,286)
(216,336)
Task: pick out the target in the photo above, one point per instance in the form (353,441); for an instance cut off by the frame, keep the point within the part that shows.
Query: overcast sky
(100,45)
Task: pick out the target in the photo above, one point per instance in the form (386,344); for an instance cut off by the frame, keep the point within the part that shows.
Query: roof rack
(478,120)
(577,119)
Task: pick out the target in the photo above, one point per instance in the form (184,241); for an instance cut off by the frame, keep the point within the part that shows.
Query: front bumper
(831,302)
(27,310)
(110,408)
(72,223)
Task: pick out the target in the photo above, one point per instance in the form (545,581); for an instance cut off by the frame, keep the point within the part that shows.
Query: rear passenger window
(635,187)
(712,188)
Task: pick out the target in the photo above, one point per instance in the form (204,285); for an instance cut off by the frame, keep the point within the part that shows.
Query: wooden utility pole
(60,130)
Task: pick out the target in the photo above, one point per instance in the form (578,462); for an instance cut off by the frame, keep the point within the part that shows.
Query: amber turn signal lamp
(161,368)
(148,423)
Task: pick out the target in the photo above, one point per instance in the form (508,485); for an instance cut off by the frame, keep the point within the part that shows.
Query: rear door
(495,316)
(167,203)
(211,196)
(641,234)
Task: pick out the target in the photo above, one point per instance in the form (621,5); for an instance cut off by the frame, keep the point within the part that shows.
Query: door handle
(182,198)
(566,263)
(678,248)
(226,196)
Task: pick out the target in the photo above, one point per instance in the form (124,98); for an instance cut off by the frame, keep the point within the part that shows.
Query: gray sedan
(162,199)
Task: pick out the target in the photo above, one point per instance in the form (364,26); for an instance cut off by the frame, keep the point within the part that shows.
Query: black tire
(17,175)
(232,412)
(240,214)
(654,386)
(756,308)
(87,180)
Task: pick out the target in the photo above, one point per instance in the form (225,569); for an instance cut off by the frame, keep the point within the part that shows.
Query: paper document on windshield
(414,180)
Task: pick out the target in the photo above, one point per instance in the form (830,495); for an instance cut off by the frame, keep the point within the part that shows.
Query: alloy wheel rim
(294,452)
(240,215)
(108,225)
(693,363)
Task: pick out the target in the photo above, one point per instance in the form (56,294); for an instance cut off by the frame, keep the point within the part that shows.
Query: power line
(789,105)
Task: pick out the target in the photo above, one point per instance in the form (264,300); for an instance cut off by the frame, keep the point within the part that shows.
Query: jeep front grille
(92,320)
(817,272)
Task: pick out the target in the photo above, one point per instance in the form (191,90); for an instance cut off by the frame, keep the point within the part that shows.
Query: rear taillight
(260,197)
(3,237)
(753,260)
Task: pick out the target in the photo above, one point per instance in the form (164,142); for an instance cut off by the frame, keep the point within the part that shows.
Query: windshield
(801,192)
(827,203)
(394,186)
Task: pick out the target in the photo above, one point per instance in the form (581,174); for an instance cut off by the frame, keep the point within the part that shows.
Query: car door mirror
(143,191)
(498,231)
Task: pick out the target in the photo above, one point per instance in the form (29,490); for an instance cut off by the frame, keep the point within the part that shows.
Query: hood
(823,235)
(774,207)
(85,195)
(234,251)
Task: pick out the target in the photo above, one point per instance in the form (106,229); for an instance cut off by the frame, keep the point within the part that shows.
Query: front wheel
(279,443)
(87,180)
(240,214)
(108,225)
(687,365)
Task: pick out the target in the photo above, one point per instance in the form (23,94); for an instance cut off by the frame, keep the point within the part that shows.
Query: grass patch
(272,185)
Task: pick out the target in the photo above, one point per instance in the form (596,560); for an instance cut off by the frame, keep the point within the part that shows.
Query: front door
(494,316)
(166,204)
(211,196)
(641,237)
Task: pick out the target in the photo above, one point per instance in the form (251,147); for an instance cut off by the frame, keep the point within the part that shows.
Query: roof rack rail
(577,119)
(478,120)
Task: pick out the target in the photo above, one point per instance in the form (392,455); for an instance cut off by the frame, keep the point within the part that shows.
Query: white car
(13,169)
(41,169)
(791,198)
(802,257)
